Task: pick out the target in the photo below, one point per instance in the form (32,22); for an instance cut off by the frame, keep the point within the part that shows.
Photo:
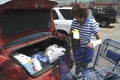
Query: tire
(104,23)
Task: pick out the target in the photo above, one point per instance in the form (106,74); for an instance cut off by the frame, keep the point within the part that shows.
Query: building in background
(68,2)
(103,3)
(118,7)
(115,4)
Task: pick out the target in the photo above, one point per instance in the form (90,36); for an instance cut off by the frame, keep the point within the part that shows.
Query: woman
(88,28)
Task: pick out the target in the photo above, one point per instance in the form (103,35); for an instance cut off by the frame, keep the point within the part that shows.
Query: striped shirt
(87,31)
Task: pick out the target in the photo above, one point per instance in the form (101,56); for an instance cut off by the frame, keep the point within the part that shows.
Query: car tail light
(11,71)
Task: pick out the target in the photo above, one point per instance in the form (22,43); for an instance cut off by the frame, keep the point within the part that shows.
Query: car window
(66,14)
(110,10)
(55,16)
(3,1)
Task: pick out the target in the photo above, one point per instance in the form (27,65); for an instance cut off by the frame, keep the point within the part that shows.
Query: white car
(62,19)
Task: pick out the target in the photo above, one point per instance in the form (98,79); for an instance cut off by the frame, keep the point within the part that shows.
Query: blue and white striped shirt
(87,31)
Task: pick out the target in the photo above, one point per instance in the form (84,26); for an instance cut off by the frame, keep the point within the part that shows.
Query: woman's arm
(94,43)
(98,36)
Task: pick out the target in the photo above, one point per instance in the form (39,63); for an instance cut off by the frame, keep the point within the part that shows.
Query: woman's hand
(90,45)
(94,43)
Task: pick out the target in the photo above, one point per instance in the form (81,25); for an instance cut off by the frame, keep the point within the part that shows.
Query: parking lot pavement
(111,31)
(118,19)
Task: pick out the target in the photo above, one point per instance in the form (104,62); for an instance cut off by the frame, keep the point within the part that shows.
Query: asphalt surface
(112,32)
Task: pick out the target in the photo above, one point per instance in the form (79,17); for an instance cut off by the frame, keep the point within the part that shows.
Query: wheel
(63,32)
(104,23)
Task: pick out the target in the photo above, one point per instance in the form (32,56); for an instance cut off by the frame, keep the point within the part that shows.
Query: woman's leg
(84,66)
(78,68)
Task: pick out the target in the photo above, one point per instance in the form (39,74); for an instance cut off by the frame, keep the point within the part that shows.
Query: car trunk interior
(29,51)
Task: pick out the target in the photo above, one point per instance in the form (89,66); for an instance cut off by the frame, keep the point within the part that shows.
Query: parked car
(105,16)
(27,28)
(63,18)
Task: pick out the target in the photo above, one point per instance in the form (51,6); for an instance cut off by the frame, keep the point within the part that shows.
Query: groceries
(26,61)
(40,60)
(54,52)
(37,66)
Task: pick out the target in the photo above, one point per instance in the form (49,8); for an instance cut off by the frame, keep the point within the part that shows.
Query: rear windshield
(20,21)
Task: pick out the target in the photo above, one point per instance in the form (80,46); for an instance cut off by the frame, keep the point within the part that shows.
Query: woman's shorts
(83,54)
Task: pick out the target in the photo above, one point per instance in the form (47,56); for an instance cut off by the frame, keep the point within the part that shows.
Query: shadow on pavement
(108,27)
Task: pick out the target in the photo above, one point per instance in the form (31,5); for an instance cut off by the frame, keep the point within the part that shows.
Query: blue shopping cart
(106,65)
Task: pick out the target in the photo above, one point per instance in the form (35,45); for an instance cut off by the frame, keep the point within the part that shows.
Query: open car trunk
(25,55)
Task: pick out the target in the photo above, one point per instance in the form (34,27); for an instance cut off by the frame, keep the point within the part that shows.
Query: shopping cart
(106,65)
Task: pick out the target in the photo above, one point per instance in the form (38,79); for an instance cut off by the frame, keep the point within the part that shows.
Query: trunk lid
(20,18)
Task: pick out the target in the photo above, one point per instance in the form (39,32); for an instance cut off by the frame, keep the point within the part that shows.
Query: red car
(27,27)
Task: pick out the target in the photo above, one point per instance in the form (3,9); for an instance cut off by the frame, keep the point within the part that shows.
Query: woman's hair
(81,11)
